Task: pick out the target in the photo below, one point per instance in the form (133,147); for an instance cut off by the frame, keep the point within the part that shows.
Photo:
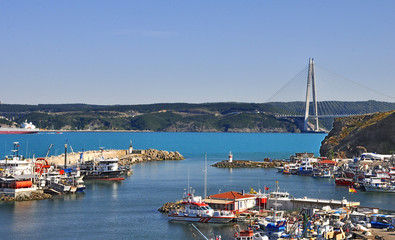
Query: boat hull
(378,189)
(344,182)
(305,173)
(17,131)
(108,176)
(181,218)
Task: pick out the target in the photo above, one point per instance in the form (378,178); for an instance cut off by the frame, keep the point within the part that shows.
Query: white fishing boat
(102,169)
(16,175)
(16,165)
(196,210)
(376,184)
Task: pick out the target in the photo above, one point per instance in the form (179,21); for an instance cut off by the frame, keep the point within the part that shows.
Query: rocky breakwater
(138,156)
(170,206)
(352,136)
(126,158)
(248,164)
(37,195)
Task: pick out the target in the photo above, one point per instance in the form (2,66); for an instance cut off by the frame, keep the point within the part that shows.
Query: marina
(136,199)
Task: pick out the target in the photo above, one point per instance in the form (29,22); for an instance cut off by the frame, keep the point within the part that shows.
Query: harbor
(37,178)
(136,199)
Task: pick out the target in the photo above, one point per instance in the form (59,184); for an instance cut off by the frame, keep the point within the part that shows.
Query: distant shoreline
(95,131)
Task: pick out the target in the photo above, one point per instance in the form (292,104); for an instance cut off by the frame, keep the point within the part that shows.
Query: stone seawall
(248,164)
(149,155)
(35,195)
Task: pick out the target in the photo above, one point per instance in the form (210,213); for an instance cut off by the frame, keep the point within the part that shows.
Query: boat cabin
(198,209)
(106,165)
(15,166)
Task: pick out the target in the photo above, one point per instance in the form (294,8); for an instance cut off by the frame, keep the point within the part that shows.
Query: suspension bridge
(309,111)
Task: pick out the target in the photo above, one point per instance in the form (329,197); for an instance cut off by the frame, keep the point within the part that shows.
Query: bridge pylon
(311,86)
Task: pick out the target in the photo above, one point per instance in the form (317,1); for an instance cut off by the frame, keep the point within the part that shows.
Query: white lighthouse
(230,157)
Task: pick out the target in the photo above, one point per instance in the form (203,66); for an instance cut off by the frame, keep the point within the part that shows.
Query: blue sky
(138,52)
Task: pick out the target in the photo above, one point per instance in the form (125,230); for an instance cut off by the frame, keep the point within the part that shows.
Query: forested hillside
(213,117)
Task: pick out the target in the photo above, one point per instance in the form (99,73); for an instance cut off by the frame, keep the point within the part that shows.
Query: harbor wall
(125,157)
(27,194)
(292,204)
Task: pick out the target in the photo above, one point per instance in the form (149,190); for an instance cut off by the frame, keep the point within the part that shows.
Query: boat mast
(188,191)
(65,156)
(205,175)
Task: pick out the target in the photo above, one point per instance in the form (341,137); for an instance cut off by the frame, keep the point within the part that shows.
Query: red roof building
(232,200)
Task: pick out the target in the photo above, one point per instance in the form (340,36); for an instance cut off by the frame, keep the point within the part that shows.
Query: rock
(170,206)
(352,136)
(36,195)
(150,155)
(246,164)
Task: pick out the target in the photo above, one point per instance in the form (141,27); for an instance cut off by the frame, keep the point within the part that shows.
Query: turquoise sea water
(128,209)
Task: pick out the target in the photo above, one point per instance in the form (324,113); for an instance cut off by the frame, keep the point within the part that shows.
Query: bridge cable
(297,76)
(355,83)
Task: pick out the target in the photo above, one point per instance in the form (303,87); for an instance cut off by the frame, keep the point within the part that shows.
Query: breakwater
(171,206)
(248,164)
(138,156)
(126,157)
(35,195)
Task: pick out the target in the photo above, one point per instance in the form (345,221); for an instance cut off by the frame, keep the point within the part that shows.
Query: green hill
(204,117)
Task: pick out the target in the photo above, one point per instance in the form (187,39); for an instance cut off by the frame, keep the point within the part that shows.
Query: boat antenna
(65,155)
(16,149)
(188,179)
(205,175)
(277,192)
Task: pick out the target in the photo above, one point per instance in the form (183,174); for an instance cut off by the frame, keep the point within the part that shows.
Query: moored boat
(250,235)
(196,210)
(344,181)
(102,169)
(26,128)
(376,184)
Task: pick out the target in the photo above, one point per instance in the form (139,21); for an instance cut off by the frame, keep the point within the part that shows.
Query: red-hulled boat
(344,181)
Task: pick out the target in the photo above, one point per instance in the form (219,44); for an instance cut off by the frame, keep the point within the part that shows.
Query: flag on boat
(266,188)
(352,190)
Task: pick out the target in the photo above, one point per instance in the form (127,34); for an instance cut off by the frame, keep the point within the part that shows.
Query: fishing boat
(344,181)
(286,170)
(16,165)
(272,227)
(291,168)
(376,184)
(16,174)
(322,174)
(102,169)
(196,210)
(305,168)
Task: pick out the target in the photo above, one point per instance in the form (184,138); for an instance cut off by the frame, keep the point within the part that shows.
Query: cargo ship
(26,128)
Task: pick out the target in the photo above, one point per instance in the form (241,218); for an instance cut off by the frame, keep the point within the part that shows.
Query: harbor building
(235,201)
